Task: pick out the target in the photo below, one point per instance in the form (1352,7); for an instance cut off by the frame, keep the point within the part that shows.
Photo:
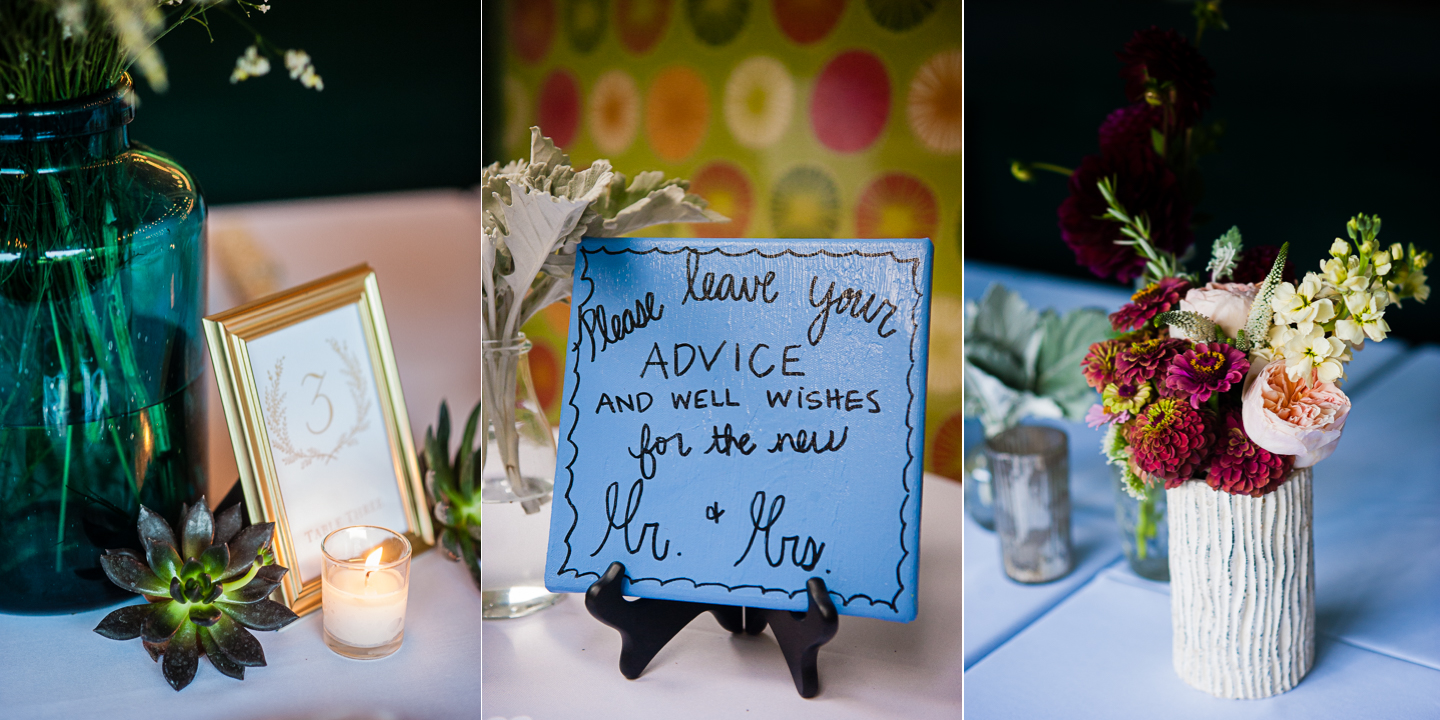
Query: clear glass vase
(517,481)
(1144,531)
(102,288)
(979,487)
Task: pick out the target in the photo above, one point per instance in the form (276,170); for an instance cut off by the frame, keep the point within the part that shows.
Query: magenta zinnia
(1206,369)
(1141,362)
(1170,440)
(1149,301)
(1098,367)
(1240,467)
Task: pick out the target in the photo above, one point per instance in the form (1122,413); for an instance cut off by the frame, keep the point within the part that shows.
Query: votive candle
(364,587)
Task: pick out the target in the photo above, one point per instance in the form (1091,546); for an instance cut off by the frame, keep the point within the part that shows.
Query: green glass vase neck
(49,138)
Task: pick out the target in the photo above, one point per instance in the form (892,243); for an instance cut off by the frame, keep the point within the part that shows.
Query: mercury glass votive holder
(365,582)
(1030,467)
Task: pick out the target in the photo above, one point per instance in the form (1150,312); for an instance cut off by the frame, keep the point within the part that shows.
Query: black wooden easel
(646,625)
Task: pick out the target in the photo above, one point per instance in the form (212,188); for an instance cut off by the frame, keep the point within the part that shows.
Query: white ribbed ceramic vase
(1242,588)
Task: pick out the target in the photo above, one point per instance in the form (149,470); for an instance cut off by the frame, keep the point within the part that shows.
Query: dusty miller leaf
(1064,344)
(1001,337)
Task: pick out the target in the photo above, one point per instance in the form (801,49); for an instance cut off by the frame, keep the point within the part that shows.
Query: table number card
(742,415)
(317,419)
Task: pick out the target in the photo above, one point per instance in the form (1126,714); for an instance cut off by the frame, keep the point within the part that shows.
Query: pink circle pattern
(851,102)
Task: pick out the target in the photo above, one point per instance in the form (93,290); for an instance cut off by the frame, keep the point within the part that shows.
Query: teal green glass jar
(102,288)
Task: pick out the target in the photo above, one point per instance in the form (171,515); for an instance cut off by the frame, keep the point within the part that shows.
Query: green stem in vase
(64,498)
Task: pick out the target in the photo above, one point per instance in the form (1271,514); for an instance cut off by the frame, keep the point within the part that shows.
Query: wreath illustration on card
(278,424)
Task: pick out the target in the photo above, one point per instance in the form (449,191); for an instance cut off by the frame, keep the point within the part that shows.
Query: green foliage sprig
(454,489)
(1158,263)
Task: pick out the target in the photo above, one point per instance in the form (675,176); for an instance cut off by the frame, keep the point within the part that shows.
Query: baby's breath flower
(300,67)
(251,64)
(263,8)
(71,16)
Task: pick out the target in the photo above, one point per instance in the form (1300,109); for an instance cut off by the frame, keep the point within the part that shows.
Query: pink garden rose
(1228,304)
(1286,417)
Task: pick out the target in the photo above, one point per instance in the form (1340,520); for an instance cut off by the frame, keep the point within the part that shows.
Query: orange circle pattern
(677,113)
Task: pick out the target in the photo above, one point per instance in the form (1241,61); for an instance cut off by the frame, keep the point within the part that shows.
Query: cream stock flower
(1227,304)
(1307,351)
(1304,306)
(1381,262)
(1345,275)
(1288,417)
(1367,321)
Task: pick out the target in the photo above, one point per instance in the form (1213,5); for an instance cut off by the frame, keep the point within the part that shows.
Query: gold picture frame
(232,337)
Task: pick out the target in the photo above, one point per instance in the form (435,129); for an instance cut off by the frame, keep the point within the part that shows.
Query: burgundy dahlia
(1144,186)
(1204,370)
(1098,367)
(1141,362)
(1170,440)
(1179,70)
(1129,126)
(1240,467)
(1149,301)
(1254,264)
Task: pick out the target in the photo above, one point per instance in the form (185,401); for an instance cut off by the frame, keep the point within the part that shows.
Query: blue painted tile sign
(742,415)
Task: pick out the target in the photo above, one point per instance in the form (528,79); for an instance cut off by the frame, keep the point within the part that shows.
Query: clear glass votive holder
(1030,467)
(365,582)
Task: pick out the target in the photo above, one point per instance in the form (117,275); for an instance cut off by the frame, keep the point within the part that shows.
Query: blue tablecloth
(1097,643)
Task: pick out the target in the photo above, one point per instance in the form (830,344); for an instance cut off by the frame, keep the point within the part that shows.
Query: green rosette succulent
(454,490)
(203,592)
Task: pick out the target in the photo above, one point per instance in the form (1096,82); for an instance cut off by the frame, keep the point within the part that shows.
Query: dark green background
(1330,109)
(401,107)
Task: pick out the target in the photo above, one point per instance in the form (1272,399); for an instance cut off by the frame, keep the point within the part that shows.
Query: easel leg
(646,625)
(801,635)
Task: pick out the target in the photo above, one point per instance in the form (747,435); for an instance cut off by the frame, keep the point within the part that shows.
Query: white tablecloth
(562,663)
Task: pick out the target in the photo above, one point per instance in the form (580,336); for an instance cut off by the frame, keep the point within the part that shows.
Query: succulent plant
(454,489)
(203,592)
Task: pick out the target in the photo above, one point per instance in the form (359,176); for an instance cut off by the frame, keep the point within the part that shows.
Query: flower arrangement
(62,49)
(1236,383)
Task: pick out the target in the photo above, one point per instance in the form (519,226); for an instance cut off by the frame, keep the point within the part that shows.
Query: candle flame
(372,561)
